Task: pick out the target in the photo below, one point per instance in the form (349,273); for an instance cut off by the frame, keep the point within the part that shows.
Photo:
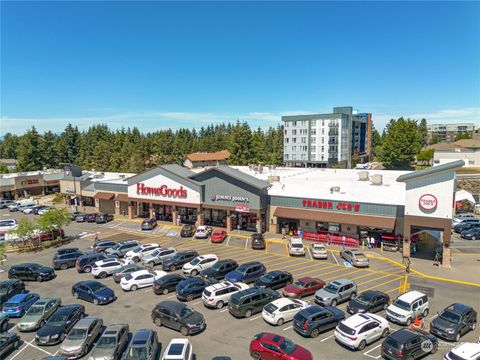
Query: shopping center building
(340,202)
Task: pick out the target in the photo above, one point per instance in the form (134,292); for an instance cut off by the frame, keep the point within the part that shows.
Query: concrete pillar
(229,221)
(446,259)
(200,218)
(132,209)
(151,210)
(117,207)
(174,216)
(406,248)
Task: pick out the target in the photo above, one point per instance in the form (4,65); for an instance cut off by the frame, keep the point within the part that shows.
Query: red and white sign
(427,202)
(242,209)
(162,190)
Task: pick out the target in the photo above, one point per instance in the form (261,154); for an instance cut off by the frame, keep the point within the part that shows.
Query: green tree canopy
(55,218)
(462,136)
(423,132)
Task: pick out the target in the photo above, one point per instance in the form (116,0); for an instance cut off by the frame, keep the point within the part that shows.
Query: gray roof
(53,176)
(239,175)
(90,187)
(178,170)
(431,171)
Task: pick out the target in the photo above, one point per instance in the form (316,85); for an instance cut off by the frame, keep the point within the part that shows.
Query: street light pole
(75,192)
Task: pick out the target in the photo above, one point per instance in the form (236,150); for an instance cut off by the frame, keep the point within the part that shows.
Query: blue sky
(158,65)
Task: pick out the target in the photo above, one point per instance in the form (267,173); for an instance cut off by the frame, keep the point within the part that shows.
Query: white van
(17,205)
(295,246)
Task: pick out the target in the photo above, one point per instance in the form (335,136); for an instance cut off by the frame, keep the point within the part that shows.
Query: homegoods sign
(162,190)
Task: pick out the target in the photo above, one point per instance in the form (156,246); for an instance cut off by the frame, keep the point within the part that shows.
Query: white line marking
(335,258)
(56,352)
(256,317)
(325,339)
(171,296)
(288,327)
(25,345)
(246,244)
(228,240)
(224,310)
(196,303)
(39,348)
(309,252)
(375,357)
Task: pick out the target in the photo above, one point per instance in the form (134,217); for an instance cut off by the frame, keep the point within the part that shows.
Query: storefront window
(215,217)
(187,215)
(246,221)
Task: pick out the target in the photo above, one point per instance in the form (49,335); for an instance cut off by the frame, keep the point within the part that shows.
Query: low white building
(466,150)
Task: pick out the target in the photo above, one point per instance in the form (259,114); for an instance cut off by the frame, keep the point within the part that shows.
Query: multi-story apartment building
(319,140)
(447,132)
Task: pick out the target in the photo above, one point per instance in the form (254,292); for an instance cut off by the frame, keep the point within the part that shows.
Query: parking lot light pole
(67,168)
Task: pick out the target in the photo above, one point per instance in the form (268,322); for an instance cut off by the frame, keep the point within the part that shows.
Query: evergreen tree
(29,154)
(67,144)
(240,145)
(423,132)
(48,147)
(258,147)
(9,146)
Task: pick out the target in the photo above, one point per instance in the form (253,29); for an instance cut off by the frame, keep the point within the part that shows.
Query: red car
(218,236)
(303,287)
(44,236)
(267,346)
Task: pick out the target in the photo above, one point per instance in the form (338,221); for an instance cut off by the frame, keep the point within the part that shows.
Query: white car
(361,329)
(319,251)
(464,351)
(28,210)
(217,295)
(296,247)
(7,224)
(178,349)
(199,263)
(139,279)
(282,310)
(102,268)
(137,253)
(44,210)
(201,233)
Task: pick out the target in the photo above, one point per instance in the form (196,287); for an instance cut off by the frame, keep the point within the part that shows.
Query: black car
(8,343)
(65,261)
(9,288)
(454,321)
(316,319)
(178,316)
(103,218)
(167,283)
(59,324)
(178,260)
(371,301)
(192,288)
(466,224)
(84,263)
(471,234)
(31,271)
(219,269)
(258,241)
(102,245)
(274,280)
(91,218)
(187,231)
(149,224)
(408,344)
(67,251)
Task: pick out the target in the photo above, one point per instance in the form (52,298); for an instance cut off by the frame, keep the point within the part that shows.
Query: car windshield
(270,308)
(136,249)
(299,284)
(128,277)
(156,252)
(297,245)
(3,288)
(106,342)
(186,311)
(217,265)
(364,300)
(195,261)
(242,269)
(57,319)
(35,310)
(359,255)
(331,288)
(77,334)
(11,304)
(450,316)
(269,277)
(287,346)
(401,304)
(136,353)
(318,247)
(97,287)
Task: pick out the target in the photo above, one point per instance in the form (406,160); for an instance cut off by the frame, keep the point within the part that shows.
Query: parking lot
(226,335)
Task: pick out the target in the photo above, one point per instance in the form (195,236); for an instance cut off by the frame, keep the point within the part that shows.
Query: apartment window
(313,132)
(294,132)
(286,148)
(304,148)
(287,140)
(294,140)
(285,131)
(323,122)
(286,156)
(287,124)
(304,140)
(313,149)
(312,140)
(323,140)
(294,148)
(313,157)
(294,123)
(322,157)
(323,131)
(313,123)
(323,149)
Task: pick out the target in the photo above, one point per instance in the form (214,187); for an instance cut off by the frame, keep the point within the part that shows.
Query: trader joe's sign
(331,205)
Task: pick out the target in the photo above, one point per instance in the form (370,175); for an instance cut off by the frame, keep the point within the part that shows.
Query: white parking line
(288,327)
(256,317)
(334,257)
(171,296)
(246,244)
(228,239)
(366,353)
(224,310)
(25,345)
(39,348)
(196,303)
(309,255)
(325,339)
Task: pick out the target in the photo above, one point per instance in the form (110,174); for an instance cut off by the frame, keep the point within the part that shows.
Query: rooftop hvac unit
(376,179)
(273,178)
(363,175)
(122,176)
(334,189)
(260,169)
(99,175)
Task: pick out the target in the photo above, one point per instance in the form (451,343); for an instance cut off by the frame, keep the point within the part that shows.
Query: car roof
(251,263)
(282,301)
(307,279)
(358,320)
(141,335)
(67,308)
(342,281)
(221,285)
(467,350)
(176,342)
(411,296)
(372,293)
(314,309)
(28,264)
(113,329)
(18,297)
(44,301)
(10,281)
(458,308)
(85,322)
(403,335)
(207,256)
(172,304)
(224,261)
(140,272)
(183,252)
(88,282)
(202,227)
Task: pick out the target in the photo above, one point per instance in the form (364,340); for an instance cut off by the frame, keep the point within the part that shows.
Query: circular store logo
(427,346)
(213,197)
(427,202)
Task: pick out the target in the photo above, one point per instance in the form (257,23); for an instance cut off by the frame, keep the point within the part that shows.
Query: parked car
(8,343)
(274,280)
(200,263)
(82,337)
(471,234)
(31,271)
(178,349)
(251,301)
(466,224)
(218,236)
(271,346)
(6,225)
(464,351)
(140,279)
(167,283)
(111,343)
(370,301)
(192,288)
(157,256)
(81,218)
(84,263)
(93,291)
(137,253)
(219,269)
(38,314)
(187,231)
(65,261)
(336,291)
(9,288)
(59,324)
(67,250)
(125,270)
(18,304)
(319,251)
(201,232)
(48,235)
(44,210)
(4,203)
(247,272)
(407,307)
(355,257)
(29,210)
(258,241)
(454,321)
(120,249)
(359,330)
(304,286)
(143,346)
(149,224)
(178,260)
(408,344)
(296,246)
(313,320)
(217,295)
(103,268)
(39,210)
(102,245)
(74,214)
(282,310)
(3,322)
(178,316)
(103,218)
(91,218)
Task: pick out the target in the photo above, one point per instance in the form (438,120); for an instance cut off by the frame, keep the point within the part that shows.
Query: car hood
(105,293)
(45,270)
(188,266)
(292,289)
(194,318)
(443,324)
(339,314)
(322,293)
(301,353)
(397,310)
(234,276)
(69,345)
(101,353)
(28,319)
(49,330)
(209,272)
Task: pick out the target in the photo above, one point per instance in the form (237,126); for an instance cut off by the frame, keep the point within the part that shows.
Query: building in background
(343,138)
(447,132)
(206,159)
(32,183)
(11,164)
(467,150)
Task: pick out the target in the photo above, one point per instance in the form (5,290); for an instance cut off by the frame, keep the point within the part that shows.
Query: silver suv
(336,291)
(119,250)
(82,337)
(157,257)
(111,344)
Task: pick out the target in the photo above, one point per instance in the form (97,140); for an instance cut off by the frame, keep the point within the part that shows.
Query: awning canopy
(464,195)
(121,197)
(103,196)
(335,217)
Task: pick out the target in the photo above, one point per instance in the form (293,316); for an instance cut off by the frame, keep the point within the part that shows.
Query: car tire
(385,306)
(87,269)
(434,349)
(194,273)
(333,302)
(457,337)
(473,325)
(314,333)
(172,268)
(102,275)
(248,313)
(220,304)
(4,326)
(184,331)
(63,267)
(424,313)
(16,344)
(280,322)
(362,345)
(256,355)
(408,322)
(165,292)
(353,295)
(189,297)
(157,321)
(95,301)
(133,287)
(151,264)
(75,295)
(39,278)
(385,333)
